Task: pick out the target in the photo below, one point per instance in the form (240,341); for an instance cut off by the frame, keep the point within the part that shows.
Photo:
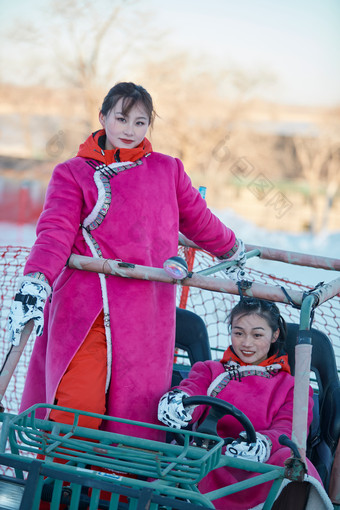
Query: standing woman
(107,342)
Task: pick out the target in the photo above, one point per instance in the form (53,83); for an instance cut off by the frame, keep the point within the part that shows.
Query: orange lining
(83,384)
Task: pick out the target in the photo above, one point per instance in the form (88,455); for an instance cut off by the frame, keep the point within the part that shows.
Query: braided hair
(269,312)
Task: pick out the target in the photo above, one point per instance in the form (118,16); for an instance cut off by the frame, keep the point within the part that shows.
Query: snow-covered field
(324,244)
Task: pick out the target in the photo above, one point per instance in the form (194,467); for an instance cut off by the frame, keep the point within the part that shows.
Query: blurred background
(247,95)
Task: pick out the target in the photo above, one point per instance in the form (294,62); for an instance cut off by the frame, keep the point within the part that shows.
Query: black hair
(131,95)
(268,311)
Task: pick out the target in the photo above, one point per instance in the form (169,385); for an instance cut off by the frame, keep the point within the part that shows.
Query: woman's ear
(275,335)
(102,119)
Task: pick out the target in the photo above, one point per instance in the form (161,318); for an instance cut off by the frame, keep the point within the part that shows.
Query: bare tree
(199,109)
(85,45)
(319,159)
(95,41)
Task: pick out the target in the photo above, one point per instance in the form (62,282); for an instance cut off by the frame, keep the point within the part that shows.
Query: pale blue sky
(298,41)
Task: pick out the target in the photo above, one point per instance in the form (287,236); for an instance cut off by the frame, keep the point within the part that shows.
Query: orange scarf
(282,360)
(94,148)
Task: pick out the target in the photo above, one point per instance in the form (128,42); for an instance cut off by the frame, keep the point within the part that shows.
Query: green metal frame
(169,470)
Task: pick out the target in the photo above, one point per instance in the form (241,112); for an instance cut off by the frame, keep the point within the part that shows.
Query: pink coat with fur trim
(268,403)
(142,210)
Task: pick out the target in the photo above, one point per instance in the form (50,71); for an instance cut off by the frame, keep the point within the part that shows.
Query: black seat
(325,429)
(191,337)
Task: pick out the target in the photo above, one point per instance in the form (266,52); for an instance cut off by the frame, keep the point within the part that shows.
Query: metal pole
(225,264)
(12,359)
(224,285)
(303,356)
(290,257)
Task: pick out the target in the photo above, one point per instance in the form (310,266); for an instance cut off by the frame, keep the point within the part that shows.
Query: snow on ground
(324,244)
(16,235)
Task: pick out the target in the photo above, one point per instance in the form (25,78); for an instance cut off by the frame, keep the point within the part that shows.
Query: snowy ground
(325,244)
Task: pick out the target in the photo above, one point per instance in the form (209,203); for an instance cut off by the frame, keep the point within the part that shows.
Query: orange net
(213,307)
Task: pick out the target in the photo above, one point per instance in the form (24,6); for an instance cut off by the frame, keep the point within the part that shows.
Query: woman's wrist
(39,276)
(230,252)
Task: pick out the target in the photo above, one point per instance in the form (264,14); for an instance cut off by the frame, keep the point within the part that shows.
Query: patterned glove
(28,304)
(236,272)
(171,410)
(257,452)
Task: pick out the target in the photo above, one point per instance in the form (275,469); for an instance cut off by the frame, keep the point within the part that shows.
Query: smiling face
(251,338)
(125,131)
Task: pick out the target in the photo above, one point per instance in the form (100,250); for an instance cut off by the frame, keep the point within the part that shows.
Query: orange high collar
(94,148)
(282,360)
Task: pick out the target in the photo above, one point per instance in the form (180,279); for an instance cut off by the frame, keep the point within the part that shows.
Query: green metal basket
(81,446)
(64,486)
(76,464)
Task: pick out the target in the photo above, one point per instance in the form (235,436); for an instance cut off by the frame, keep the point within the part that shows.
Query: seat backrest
(325,429)
(192,335)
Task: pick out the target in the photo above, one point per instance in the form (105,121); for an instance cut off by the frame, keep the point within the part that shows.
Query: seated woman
(254,376)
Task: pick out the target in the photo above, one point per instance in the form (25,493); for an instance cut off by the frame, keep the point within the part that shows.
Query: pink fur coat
(134,216)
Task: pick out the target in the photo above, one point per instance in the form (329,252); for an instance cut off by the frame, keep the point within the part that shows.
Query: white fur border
(106,311)
(215,383)
(101,193)
(100,200)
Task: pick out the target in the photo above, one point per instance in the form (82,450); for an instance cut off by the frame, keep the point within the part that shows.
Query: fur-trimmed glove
(257,452)
(171,410)
(28,305)
(236,272)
